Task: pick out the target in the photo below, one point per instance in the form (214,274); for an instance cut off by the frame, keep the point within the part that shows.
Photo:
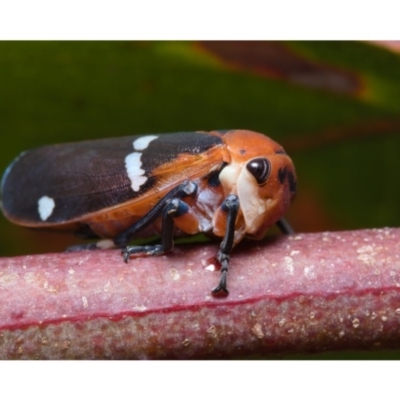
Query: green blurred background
(335,107)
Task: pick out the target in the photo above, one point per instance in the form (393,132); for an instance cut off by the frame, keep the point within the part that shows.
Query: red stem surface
(299,293)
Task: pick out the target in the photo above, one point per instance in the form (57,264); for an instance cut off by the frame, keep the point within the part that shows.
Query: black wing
(59,183)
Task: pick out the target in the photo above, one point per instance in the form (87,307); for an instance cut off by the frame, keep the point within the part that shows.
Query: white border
(200,380)
(190,20)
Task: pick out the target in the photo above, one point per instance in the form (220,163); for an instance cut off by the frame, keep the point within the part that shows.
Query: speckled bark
(306,292)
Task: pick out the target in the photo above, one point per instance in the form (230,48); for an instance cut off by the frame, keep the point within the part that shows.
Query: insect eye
(260,168)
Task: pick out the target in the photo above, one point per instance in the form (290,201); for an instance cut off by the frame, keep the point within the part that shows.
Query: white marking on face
(254,208)
(143,142)
(135,172)
(229,176)
(45,207)
(250,202)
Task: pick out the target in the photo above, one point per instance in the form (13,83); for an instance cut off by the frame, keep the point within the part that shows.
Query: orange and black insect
(231,184)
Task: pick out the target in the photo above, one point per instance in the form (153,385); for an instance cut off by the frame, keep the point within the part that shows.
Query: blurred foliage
(333,105)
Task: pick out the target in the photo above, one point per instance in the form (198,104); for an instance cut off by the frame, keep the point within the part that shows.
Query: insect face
(263,178)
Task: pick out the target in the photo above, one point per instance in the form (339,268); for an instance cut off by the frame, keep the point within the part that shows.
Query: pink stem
(300,293)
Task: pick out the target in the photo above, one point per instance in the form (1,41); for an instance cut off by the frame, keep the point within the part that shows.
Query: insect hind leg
(100,245)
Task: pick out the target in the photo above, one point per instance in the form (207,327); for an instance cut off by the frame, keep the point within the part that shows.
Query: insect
(230,184)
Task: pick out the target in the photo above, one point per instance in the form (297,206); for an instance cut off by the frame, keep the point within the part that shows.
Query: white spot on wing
(135,172)
(45,207)
(143,142)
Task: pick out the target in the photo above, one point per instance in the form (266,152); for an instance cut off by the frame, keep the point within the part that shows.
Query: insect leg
(101,244)
(284,226)
(187,188)
(231,206)
(85,232)
(173,208)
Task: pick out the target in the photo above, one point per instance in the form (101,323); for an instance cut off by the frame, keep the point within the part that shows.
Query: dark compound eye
(260,168)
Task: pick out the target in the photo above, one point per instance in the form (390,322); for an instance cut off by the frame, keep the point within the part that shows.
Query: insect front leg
(230,206)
